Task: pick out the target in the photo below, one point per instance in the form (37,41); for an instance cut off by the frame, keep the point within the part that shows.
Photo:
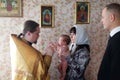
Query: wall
(64,19)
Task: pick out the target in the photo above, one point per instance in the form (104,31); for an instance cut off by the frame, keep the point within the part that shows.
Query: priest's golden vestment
(27,63)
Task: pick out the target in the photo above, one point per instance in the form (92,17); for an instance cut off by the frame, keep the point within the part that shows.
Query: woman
(79,57)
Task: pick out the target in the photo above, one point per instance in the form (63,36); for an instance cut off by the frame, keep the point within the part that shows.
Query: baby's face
(61,41)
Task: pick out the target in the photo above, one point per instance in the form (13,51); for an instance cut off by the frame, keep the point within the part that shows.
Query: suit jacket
(27,63)
(110,66)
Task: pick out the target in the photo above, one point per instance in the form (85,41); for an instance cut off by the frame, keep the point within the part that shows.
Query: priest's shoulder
(14,35)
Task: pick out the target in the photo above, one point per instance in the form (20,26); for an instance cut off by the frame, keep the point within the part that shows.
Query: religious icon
(10,8)
(82,12)
(47,16)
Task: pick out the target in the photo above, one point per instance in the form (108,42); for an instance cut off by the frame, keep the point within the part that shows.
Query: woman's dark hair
(73,30)
(30,25)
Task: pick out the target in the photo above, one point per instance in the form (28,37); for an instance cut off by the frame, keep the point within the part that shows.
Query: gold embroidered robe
(27,63)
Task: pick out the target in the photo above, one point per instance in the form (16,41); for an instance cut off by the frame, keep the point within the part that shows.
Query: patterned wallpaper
(64,19)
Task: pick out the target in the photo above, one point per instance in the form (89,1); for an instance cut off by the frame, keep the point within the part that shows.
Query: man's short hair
(30,25)
(114,8)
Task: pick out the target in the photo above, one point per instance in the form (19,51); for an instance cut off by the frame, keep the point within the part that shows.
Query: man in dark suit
(110,65)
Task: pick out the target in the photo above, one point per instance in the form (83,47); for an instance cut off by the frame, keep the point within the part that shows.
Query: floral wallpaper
(64,20)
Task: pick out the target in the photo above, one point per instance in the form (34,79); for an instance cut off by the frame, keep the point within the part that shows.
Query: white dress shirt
(114,31)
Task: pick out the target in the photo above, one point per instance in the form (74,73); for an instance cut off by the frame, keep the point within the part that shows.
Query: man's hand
(50,49)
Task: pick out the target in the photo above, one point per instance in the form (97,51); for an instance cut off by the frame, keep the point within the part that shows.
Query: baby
(63,52)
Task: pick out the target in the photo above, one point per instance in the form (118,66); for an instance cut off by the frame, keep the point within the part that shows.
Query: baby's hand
(50,49)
